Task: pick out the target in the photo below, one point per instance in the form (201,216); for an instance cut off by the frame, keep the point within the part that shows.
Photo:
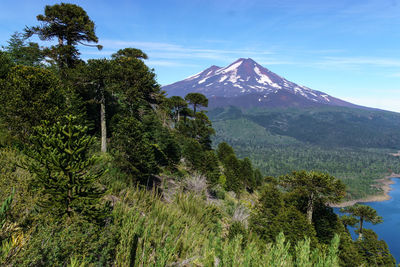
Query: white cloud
(165,63)
(160,50)
(357,62)
(386,103)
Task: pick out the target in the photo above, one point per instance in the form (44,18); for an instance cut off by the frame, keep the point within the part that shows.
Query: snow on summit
(245,77)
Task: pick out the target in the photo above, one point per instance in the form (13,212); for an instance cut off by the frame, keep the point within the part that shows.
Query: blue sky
(347,48)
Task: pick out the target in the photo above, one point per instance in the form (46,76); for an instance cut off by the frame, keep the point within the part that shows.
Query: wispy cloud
(394,74)
(387,103)
(165,63)
(359,61)
(159,50)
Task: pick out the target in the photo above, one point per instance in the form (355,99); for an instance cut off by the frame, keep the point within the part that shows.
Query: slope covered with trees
(288,140)
(99,168)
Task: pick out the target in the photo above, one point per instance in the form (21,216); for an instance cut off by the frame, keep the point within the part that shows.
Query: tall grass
(188,232)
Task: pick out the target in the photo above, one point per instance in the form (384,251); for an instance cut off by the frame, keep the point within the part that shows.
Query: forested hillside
(354,145)
(99,168)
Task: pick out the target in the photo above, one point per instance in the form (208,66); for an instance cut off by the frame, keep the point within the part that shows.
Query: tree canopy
(315,186)
(70,25)
(364,214)
(196,99)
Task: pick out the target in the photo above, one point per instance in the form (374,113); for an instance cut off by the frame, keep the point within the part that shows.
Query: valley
(282,126)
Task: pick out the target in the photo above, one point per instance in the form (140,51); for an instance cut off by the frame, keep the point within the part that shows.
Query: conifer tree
(247,173)
(365,214)
(61,168)
(315,186)
(22,53)
(348,221)
(134,151)
(70,25)
(232,173)
(27,96)
(97,76)
(373,251)
(224,150)
(196,99)
(5,64)
(177,104)
(134,82)
(130,52)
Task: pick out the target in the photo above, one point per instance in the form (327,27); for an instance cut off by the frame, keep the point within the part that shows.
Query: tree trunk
(103,123)
(310,208)
(361,229)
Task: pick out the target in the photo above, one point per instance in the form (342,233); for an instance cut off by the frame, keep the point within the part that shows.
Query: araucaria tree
(61,167)
(29,95)
(196,99)
(364,214)
(70,25)
(98,80)
(314,186)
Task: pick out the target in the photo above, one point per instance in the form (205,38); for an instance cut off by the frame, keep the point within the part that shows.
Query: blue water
(389,230)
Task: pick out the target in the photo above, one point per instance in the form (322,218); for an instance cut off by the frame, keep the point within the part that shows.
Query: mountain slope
(246,83)
(324,126)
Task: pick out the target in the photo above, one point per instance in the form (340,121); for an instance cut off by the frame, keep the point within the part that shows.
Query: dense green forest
(99,168)
(278,152)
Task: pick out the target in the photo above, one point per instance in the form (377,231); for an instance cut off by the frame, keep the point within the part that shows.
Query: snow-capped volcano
(245,77)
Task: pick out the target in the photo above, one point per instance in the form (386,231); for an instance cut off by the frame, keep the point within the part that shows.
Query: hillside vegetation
(355,145)
(99,168)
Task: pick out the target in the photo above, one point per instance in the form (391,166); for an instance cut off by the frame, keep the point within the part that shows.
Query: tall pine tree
(61,166)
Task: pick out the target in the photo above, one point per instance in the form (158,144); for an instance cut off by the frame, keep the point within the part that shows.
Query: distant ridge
(245,83)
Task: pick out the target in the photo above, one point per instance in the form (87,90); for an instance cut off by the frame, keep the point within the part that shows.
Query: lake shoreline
(384,184)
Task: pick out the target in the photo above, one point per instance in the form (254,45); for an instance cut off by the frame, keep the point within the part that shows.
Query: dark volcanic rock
(245,83)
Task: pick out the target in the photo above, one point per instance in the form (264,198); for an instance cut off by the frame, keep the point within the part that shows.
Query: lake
(389,230)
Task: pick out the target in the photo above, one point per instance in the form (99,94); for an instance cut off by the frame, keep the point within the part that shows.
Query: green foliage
(166,145)
(176,104)
(199,128)
(5,64)
(348,221)
(130,52)
(70,25)
(315,187)
(134,152)
(373,251)
(210,167)
(235,229)
(357,168)
(55,244)
(22,53)
(247,173)
(29,95)
(61,165)
(156,233)
(5,207)
(232,173)
(365,214)
(58,206)
(258,177)
(327,127)
(280,141)
(348,252)
(246,132)
(14,177)
(193,153)
(196,99)
(135,84)
(93,84)
(273,216)
(224,150)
